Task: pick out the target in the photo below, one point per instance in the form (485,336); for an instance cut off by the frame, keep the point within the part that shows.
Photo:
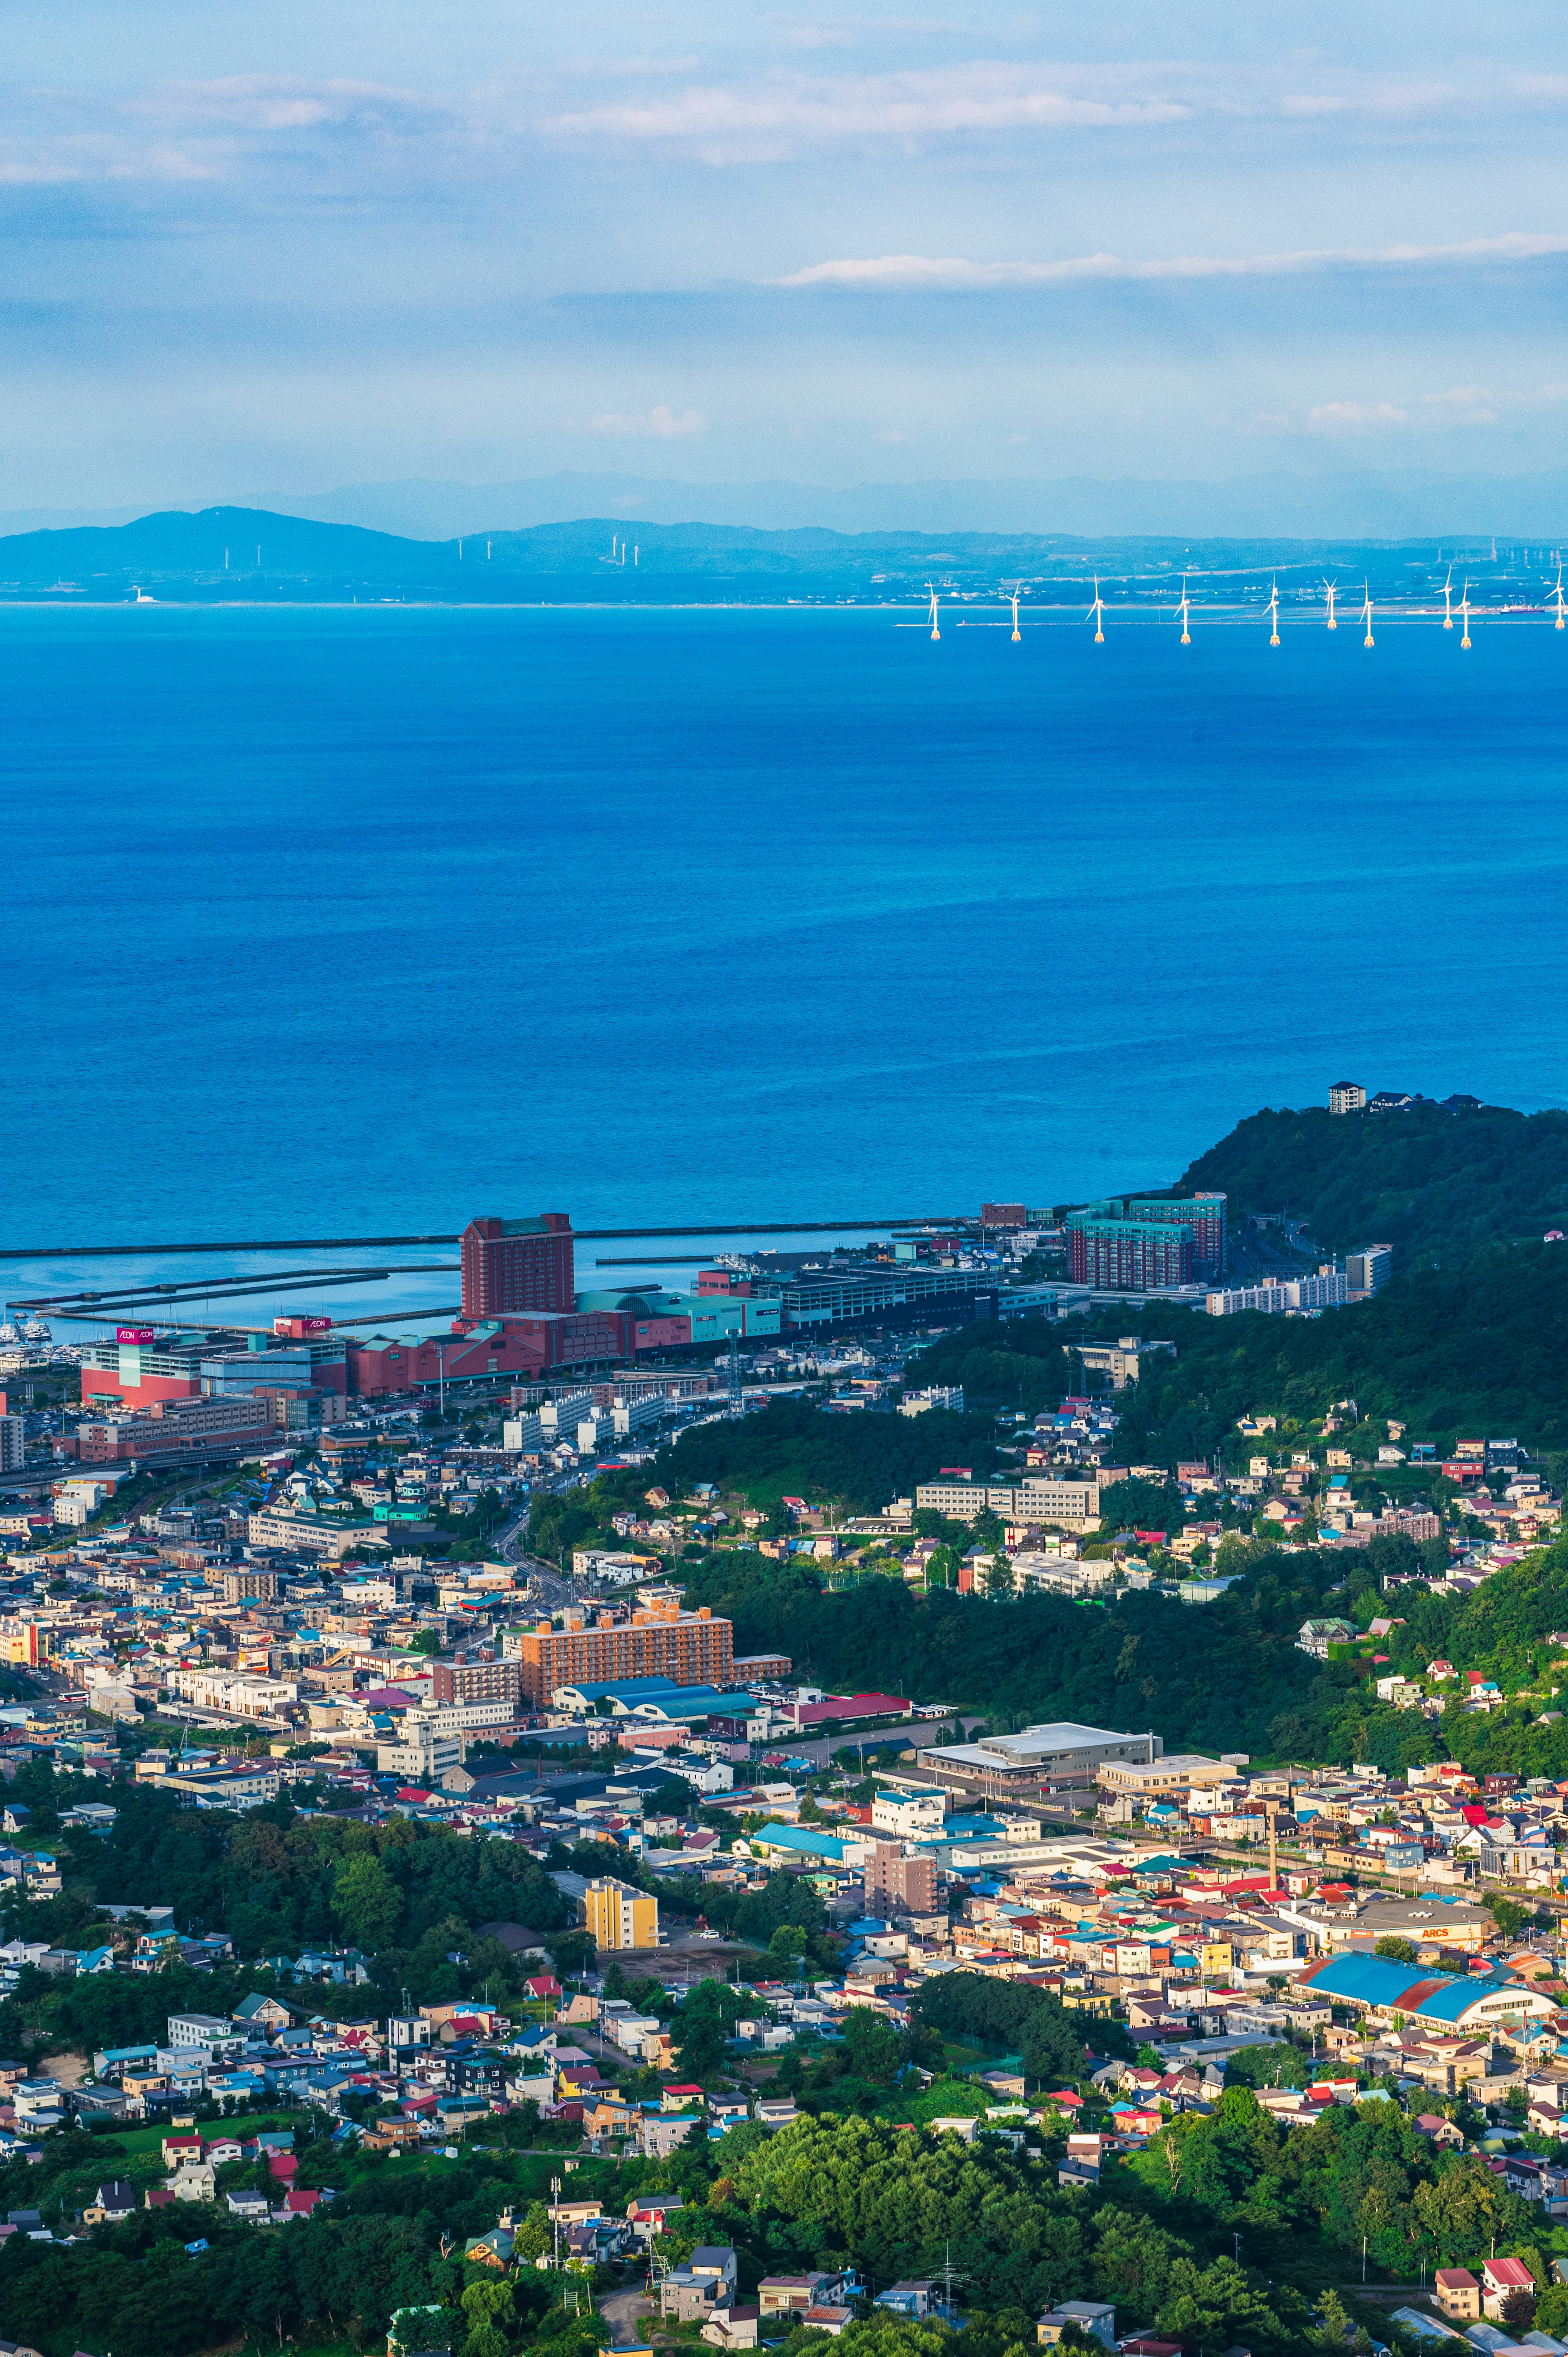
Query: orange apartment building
(692,1648)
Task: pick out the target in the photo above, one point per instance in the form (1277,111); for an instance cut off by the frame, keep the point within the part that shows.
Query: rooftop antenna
(1097,614)
(1186,632)
(1366,616)
(1448,601)
(1329,588)
(1465,616)
(1274,613)
(935,631)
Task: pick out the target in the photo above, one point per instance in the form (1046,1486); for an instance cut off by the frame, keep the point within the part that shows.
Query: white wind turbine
(1097,614)
(1448,601)
(1186,632)
(1013,593)
(1366,615)
(1557,593)
(935,631)
(1464,617)
(1329,588)
(1274,613)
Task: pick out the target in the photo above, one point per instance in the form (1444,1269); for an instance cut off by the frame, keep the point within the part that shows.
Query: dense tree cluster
(975,2007)
(1437,1186)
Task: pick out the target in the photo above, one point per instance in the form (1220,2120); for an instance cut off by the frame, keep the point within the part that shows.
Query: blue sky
(298,246)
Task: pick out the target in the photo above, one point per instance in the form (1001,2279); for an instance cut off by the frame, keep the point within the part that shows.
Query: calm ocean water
(333,922)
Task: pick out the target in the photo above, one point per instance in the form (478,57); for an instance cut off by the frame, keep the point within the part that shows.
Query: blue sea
(326,922)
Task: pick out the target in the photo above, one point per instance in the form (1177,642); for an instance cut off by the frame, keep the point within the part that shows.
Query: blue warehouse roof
(1435,1996)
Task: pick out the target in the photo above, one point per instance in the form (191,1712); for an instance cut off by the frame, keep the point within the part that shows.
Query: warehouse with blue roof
(1381,1985)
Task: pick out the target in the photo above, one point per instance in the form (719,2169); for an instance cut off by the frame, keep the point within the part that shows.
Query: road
(621,2310)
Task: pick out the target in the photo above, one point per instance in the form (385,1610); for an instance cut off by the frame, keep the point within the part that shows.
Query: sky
(262,250)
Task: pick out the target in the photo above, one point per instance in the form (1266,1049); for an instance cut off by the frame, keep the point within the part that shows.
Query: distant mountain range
(229,554)
(1406,505)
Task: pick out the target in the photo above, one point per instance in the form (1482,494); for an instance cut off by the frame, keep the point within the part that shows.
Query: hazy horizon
(1413,504)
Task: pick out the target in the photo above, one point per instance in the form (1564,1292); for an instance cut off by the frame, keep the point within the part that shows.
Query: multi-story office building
(691,1648)
(512,1265)
(13,1444)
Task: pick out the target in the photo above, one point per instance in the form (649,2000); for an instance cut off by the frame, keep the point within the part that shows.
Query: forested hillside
(1436,1186)
(1226,1676)
(1481,1348)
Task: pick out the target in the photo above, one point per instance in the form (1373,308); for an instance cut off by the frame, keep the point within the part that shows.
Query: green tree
(872,2049)
(488,2307)
(533,2236)
(368,1900)
(1401,1951)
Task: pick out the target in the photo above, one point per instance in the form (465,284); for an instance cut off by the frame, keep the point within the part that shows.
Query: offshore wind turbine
(1013,593)
(1274,613)
(1097,614)
(1557,593)
(1465,616)
(935,631)
(1448,601)
(1329,588)
(1366,615)
(1186,632)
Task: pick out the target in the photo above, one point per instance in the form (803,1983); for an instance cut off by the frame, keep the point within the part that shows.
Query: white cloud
(1476,405)
(659,425)
(815,37)
(902,106)
(90,159)
(917,270)
(281,102)
(1354,417)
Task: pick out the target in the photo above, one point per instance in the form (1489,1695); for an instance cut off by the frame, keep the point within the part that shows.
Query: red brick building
(528,1345)
(510,1264)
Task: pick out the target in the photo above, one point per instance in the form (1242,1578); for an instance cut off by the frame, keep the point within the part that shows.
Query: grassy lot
(135,2141)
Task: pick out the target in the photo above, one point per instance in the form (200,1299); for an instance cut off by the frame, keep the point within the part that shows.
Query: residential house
(262,2013)
(1442,2131)
(648,2214)
(733,2327)
(777,2295)
(658,2137)
(1501,2278)
(706,2282)
(1091,2315)
(914,2297)
(494,2249)
(114,2199)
